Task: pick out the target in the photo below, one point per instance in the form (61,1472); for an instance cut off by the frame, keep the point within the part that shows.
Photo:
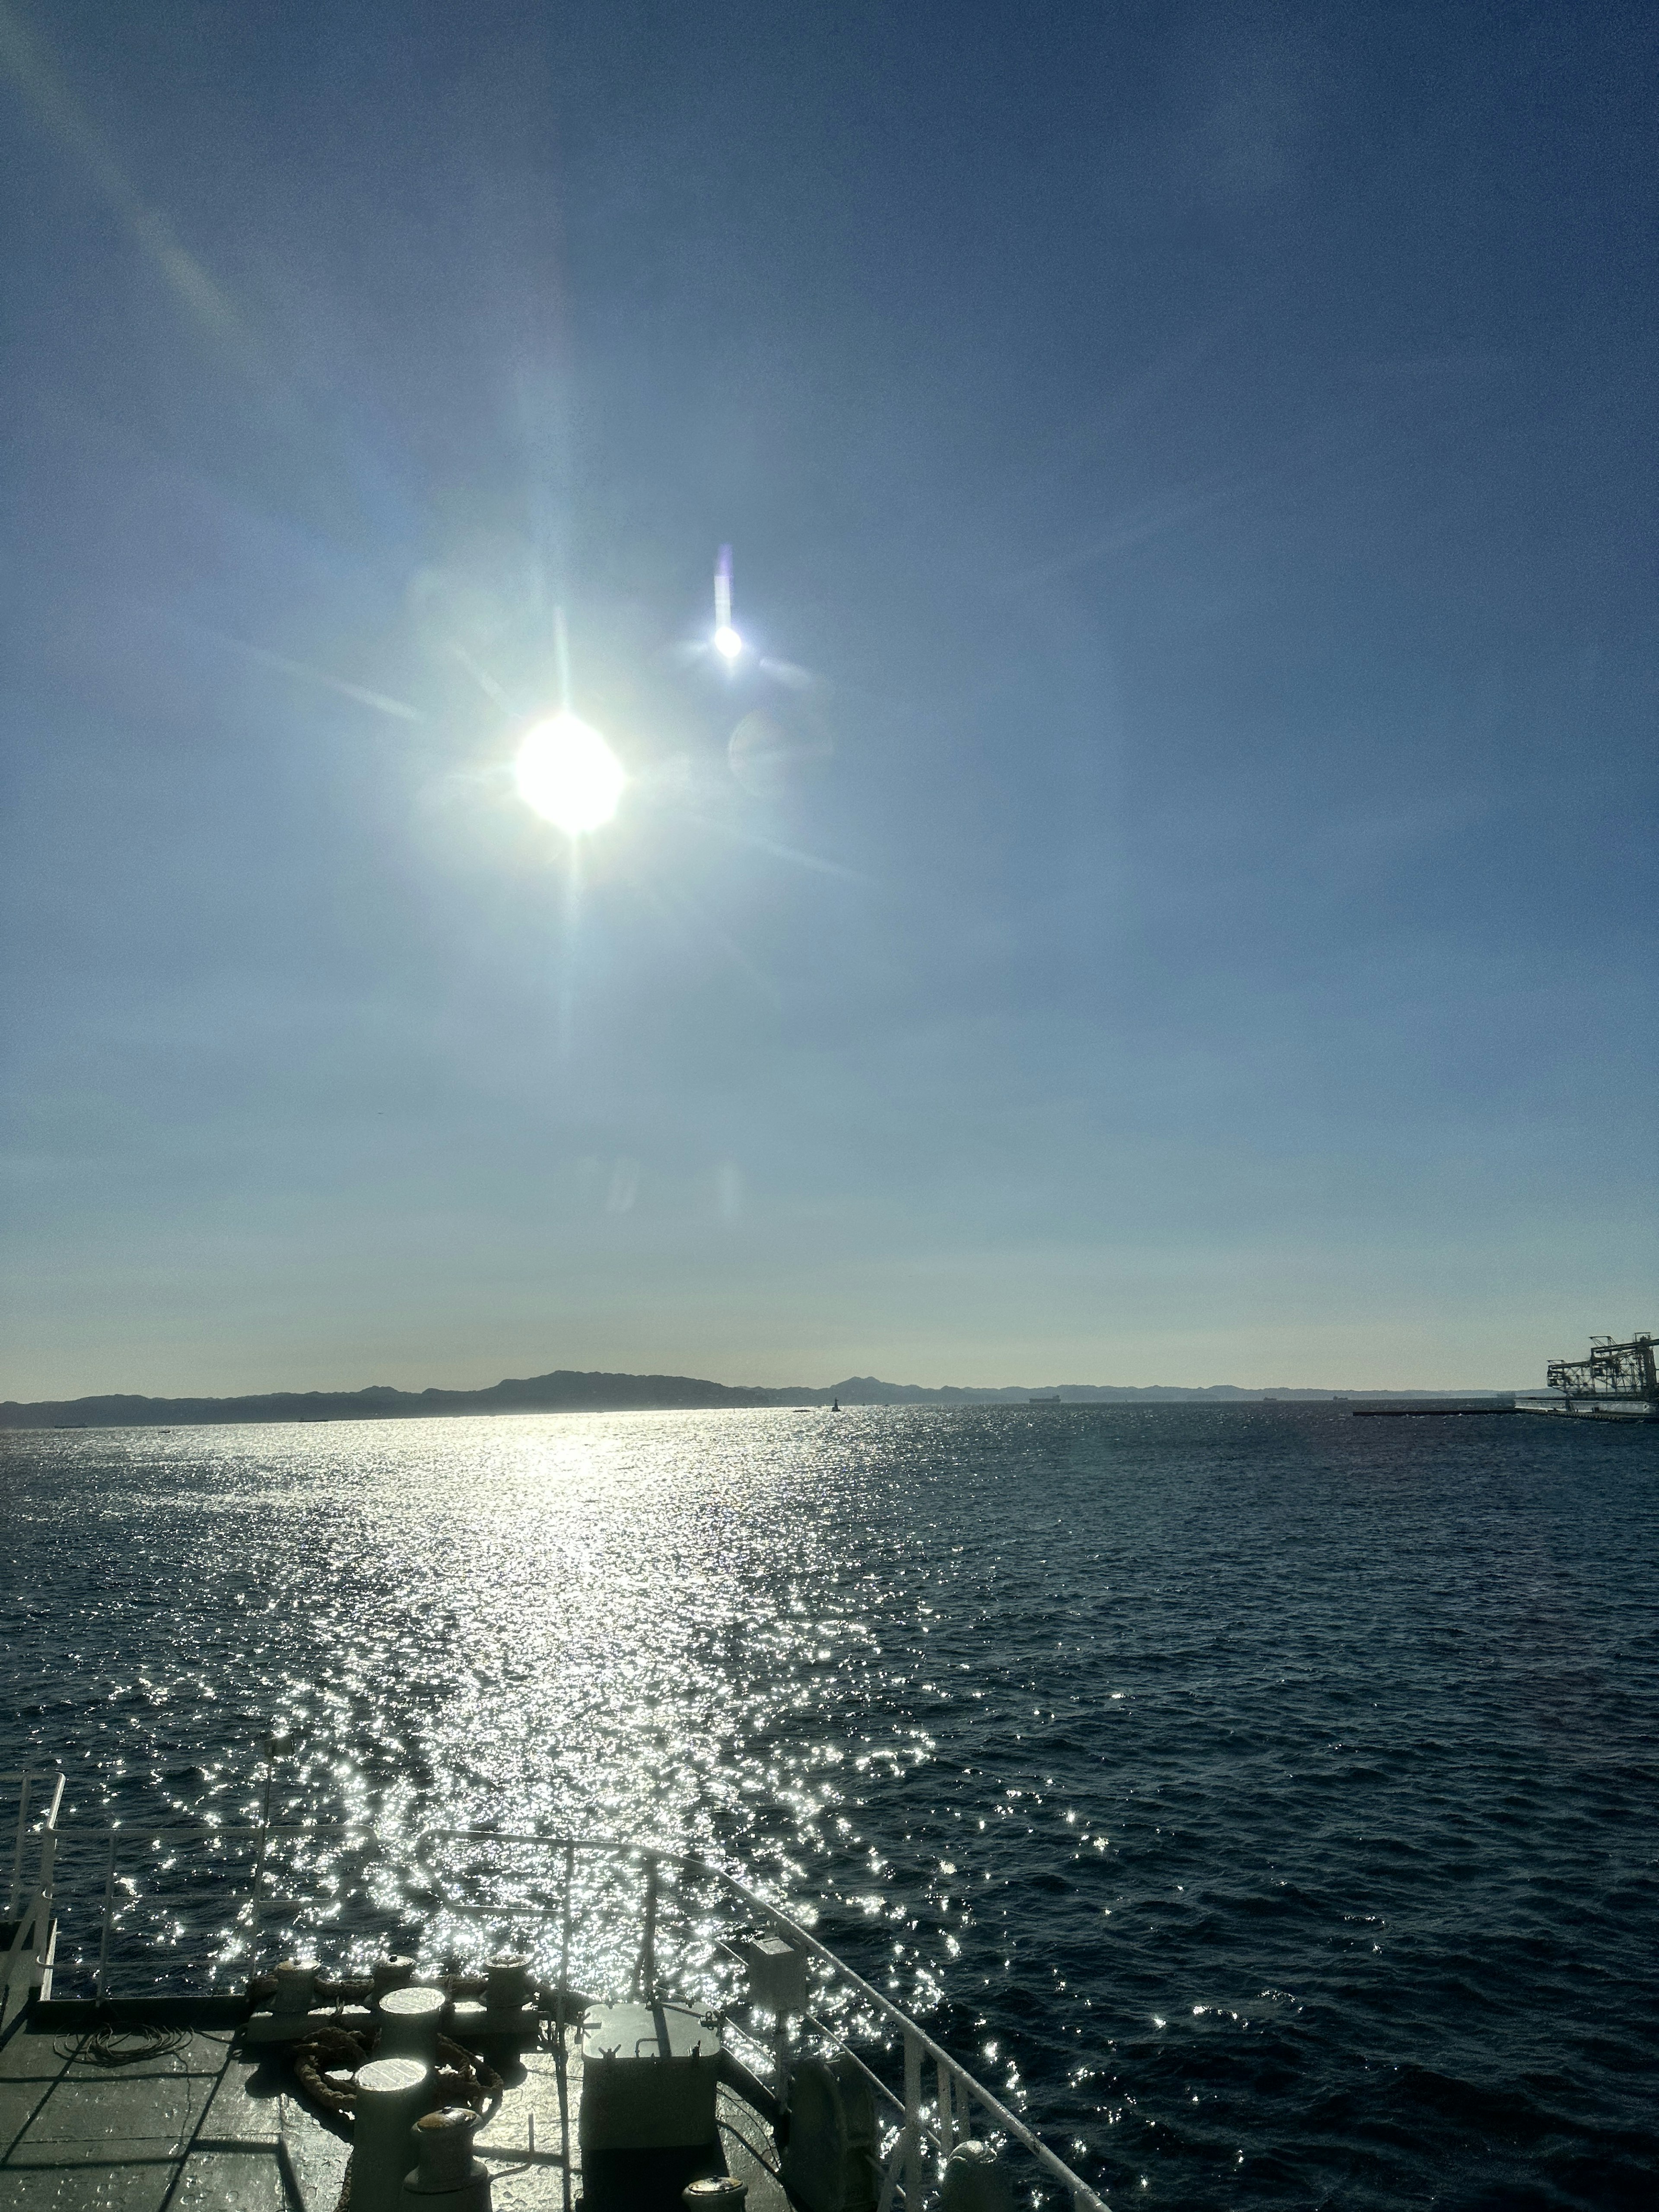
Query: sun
(568,773)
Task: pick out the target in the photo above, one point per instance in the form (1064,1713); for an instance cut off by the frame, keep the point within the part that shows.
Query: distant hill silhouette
(565,1390)
(568,1390)
(868,1390)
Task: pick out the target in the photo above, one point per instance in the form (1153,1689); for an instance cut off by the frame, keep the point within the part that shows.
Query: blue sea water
(1268,1798)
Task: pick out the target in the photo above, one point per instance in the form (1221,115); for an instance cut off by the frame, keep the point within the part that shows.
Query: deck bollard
(408,2024)
(447,2177)
(715,2192)
(296,1982)
(396,1973)
(392,2095)
(976,2180)
(507,1985)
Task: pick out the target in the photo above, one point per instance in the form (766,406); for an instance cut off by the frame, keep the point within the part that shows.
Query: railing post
(915,2178)
(17,1849)
(44,1902)
(947,2124)
(647,1976)
(561,1999)
(563,1996)
(101,1982)
(256,1916)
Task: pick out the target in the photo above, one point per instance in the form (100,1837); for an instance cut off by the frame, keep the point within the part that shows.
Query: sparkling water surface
(1266,1799)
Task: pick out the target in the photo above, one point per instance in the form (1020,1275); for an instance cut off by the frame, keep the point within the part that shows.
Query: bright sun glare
(568,773)
(727,642)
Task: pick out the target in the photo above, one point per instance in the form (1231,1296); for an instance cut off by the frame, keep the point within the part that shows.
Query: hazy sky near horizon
(1197,923)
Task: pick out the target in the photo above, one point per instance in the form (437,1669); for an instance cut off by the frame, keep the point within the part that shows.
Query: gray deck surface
(204,2127)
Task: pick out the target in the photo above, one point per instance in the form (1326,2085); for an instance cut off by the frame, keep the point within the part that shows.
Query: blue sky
(1196,925)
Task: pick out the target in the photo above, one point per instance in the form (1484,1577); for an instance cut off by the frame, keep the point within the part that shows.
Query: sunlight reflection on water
(1179,1766)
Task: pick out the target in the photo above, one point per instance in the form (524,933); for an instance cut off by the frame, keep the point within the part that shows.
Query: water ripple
(1266,1798)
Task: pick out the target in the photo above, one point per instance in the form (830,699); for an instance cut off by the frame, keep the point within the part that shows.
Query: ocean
(1266,1799)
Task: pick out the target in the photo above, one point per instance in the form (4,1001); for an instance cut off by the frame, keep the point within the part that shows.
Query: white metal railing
(924,2126)
(921,2143)
(25,1962)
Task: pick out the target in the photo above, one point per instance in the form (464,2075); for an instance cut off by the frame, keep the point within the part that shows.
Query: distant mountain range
(567,1391)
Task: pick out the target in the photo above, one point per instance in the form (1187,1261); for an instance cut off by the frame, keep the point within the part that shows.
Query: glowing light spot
(727,643)
(568,773)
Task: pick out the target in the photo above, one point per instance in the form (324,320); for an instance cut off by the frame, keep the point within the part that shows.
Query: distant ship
(1054,1398)
(1616,1382)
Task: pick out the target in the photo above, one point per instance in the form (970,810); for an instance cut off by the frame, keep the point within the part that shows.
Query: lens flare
(569,774)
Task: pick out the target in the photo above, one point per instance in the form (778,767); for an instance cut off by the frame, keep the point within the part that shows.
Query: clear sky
(1196,924)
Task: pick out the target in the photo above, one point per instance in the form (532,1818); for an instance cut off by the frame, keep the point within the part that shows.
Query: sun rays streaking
(24,58)
(595,825)
(262,656)
(495,692)
(685,914)
(812,861)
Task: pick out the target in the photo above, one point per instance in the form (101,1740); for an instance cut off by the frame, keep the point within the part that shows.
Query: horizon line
(597,1377)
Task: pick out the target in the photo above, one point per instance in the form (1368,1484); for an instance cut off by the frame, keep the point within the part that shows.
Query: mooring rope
(335,2050)
(123,2043)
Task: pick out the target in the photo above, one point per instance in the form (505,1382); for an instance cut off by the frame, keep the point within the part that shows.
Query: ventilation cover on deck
(649,2074)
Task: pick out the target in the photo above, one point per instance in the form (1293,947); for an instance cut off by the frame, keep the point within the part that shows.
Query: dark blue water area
(1268,1799)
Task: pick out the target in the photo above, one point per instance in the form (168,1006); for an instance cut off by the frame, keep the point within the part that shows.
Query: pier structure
(1614,1382)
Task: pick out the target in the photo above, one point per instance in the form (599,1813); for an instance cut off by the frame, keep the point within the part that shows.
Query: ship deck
(184,2116)
(142,2101)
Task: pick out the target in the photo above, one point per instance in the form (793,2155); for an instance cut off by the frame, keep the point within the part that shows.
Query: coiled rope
(123,2043)
(325,2064)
